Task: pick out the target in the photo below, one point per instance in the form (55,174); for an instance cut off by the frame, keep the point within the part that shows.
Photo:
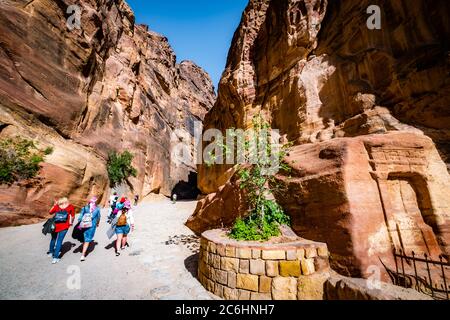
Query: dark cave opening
(187,190)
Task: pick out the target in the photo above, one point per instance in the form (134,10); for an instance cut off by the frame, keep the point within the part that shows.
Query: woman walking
(64,215)
(89,221)
(124,225)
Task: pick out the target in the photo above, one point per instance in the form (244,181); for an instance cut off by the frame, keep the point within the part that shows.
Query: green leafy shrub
(20,159)
(252,228)
(119,167)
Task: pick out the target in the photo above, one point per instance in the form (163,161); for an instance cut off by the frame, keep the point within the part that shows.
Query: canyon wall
(367,111)
(108,86)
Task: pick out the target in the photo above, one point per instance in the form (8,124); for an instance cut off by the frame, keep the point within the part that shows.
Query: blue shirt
(95,215)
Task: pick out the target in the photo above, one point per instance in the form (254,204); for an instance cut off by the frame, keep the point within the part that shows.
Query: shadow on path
(191,264)
(112,245)
(66,247)
(90,249)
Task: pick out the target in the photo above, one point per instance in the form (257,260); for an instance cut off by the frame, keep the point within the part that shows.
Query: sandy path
(159,264)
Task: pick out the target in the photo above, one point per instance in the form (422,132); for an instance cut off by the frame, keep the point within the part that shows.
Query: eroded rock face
(365,195)
(342,288)
(219,209)
(111,85)
(316,72)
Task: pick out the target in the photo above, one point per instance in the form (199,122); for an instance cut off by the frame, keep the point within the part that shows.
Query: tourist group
(120,217)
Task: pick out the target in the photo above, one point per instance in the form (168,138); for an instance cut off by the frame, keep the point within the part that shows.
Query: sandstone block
(220,250)
(308,266)
(203,243)
(209,258)
(273,254)
(300,254)
(265,284)
(257,267)
(215,261)
(284,288)
(243,295)
(243,253)
(312,287)
(291,255)
(260,296)
(211,247)
(322,251)
(230,293)
(244,266)
(229,264)
(202,267)
(212,274)
(247,282)
(230,252)
(290,268)
(310,252)
(232,276)
(209,271)
(221,276)
(209,285)
(256,253)
(218,290)
(272,268)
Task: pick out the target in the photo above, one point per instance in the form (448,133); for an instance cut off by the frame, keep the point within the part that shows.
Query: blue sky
(198,30)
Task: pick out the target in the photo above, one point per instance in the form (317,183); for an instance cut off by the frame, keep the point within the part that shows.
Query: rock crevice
(111,85)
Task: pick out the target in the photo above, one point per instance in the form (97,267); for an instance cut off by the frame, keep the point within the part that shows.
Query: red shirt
(65,225)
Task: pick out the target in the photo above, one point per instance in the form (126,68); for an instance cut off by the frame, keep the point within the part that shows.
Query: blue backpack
(61,216)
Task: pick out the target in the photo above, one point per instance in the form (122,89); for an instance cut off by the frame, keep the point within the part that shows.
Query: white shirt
(129,215)
(112,198)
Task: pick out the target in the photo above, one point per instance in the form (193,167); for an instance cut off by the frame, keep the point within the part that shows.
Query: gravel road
(160,263)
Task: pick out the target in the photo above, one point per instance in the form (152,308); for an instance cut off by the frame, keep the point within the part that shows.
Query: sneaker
(55,261)
(83,258)
(49,254)
(117,254)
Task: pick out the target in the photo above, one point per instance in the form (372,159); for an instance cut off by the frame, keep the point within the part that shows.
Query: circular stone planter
(286,268)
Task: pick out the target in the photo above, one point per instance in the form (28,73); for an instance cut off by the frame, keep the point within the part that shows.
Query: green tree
(265,215)
(20,159)
(119,167)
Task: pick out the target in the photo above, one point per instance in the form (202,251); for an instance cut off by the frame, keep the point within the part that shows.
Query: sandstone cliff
(330,84)
(110,85)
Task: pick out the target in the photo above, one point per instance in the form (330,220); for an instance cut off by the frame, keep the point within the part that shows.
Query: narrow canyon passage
(159,264)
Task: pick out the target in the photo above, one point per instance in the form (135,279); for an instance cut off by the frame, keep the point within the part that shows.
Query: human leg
(59,241)
(124,240)
(52,243)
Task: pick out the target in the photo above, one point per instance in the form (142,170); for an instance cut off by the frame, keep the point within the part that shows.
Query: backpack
(49,226)
(122,221)
(86,221)
(61,216)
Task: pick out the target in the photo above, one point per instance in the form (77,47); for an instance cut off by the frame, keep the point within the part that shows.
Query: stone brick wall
(259,271)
